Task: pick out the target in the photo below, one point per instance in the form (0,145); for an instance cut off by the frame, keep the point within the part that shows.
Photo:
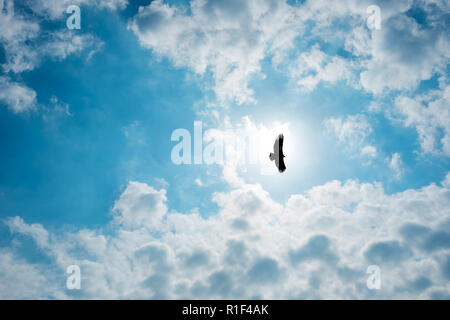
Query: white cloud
(227,38)
(430,116)
(25,45)
(19,98)
(315,66)
(140,205)
(231,38)
(22,280)
(55,110)
(163,182)
(398,56)
(15,31)
(396,164)
(446,182)
(317,245)
(369,151)
(36,231)
(351,130)
(402,53)
(26,55)
(14,27)
(63,44)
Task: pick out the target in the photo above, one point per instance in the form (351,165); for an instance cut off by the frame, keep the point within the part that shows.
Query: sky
(89,129)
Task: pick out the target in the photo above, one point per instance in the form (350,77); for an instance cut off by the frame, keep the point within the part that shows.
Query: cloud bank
(316,245)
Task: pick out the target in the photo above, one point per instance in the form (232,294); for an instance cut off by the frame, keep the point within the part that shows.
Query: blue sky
(87,115)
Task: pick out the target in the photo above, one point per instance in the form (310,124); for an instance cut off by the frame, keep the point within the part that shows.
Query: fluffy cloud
(25,53)
(352,131)
(369,151)
(317,245)
(315,66)
(15,31)
(35,231)
(228,38)
(395,163)
(231,38)
(430,116)
(403,52)
(25,45)
(22,280)
(140,205)
(18,97)
(63,44)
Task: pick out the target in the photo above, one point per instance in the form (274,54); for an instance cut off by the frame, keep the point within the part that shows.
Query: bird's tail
(271,156)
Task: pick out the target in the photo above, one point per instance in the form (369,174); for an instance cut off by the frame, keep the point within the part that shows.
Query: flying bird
(277,154)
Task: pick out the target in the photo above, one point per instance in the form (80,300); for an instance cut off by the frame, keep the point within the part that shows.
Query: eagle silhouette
(277,154)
